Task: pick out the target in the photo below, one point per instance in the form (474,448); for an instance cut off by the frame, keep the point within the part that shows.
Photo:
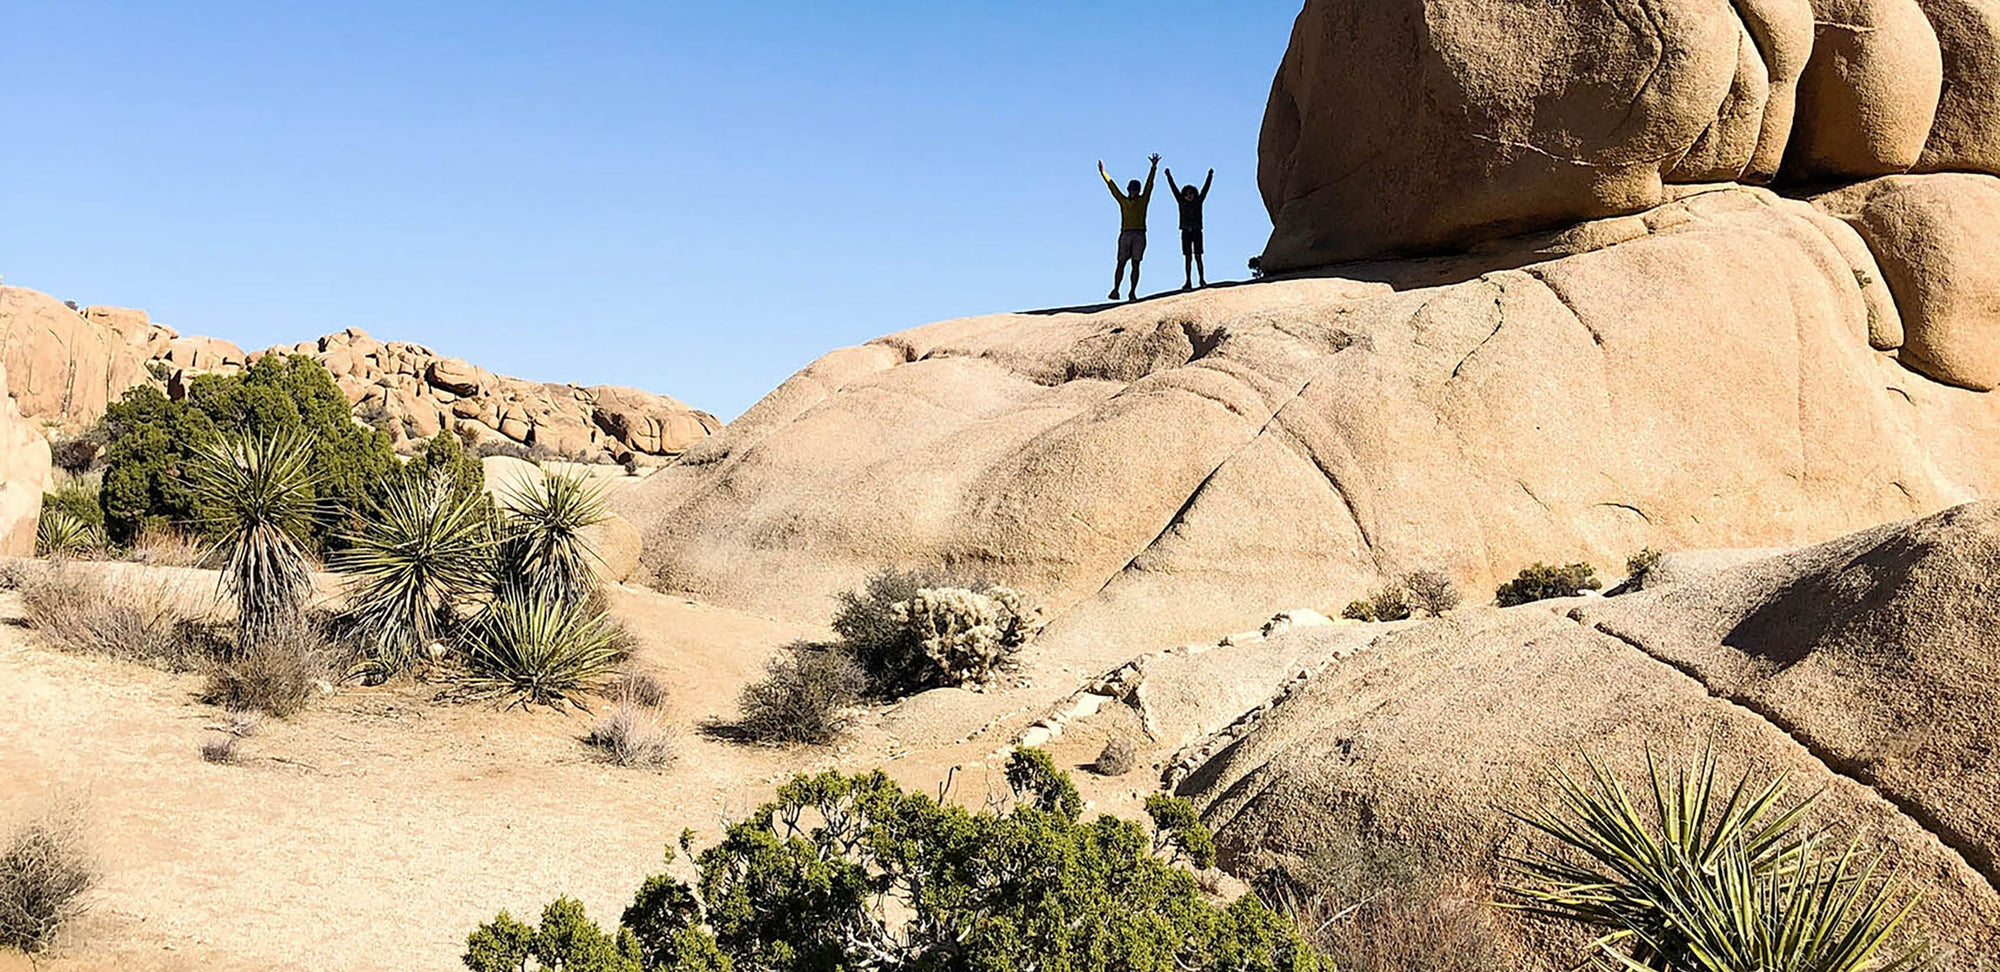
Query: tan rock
(1168,471)
(453,375)
(507,477)
(1937,241)
(615,542)
(24,474)
(1966,133)
(1870,94)
(61,367)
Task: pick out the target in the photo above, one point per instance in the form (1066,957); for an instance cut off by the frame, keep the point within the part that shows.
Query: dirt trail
(376,829)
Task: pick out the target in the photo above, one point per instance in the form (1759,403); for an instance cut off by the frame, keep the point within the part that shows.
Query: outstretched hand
(1100,165)
(1156,158)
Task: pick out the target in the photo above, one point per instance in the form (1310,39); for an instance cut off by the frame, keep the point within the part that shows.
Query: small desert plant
(1119,756)
(642,688)
(60,534)
(806,696)
(136,622)
(259,491)
(427,548)
(1414,928)
(1431,591)
(1641,563)
(542,540)
(277,674)
(76,455)
(1715,877)
(635,736)
(1391,603)
(535,651)
(868,627)
(969,636)
(44,874)
(219,748)
(163,546)
(1540,582)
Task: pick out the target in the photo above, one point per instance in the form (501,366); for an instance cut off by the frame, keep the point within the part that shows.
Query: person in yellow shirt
(1132,205)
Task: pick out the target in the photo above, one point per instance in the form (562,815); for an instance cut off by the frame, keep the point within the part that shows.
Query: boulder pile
(69,364)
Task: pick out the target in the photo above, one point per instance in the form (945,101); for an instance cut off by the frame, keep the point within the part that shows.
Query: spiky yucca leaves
(427,548)
(542,544)
(257,493)
(61,534)
(1706,879)
(537,651)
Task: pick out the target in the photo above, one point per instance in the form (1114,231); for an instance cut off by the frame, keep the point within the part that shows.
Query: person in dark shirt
(1132,205)
(1191,250)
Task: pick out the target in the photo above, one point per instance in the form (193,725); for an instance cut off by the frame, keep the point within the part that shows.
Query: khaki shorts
(1131,245)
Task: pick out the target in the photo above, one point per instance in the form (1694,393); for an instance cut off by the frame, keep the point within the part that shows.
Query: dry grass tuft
(166,547)
(635,736)
(44,873)
(140,622)
(277,676)
(641,687)
(219,748)
(1410,930)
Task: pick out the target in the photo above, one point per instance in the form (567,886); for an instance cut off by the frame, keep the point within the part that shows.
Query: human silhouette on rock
(1132,205)
(1191,202)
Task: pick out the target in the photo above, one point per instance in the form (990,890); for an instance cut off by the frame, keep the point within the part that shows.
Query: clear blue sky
(692,198)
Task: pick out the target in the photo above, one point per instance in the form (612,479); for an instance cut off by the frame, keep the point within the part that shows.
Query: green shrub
(567,940)
(806,696)
(1358,611)
(1714,877)
(1639,564)
(257,492)
(1541,582)
(426,549)
(845,872)
(58,534)
(150,440)
(1391,603)
(445,456)
(78,498)
(907,646)
(542,538)
(540,652)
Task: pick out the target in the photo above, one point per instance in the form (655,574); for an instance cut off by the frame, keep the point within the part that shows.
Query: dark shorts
(1131,245)
(1191,242)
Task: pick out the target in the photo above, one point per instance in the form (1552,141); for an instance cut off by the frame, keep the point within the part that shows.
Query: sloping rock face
(1700,376)
(1414,126)
(24,475)
(1866,668)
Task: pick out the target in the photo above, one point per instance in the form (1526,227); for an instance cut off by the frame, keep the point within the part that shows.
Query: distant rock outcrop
(1866,667)
(1413,126)
(70,364)
(1710,373)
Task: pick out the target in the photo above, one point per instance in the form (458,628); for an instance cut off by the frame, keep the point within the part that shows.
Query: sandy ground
(376,829)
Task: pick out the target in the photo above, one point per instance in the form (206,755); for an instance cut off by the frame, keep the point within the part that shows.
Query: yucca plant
(1706,878)
(61,534)
(543,549)
(536,651)
(257,493)
(426,549)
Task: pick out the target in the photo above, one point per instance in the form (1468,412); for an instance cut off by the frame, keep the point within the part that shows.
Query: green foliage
(1540,582)
(258,493)
(60,534)
(1178,827)
(1713,879)
(1033,776)
(805,696)
(427,548)
(151,439)
(852,872)
(536,651)
(919,629)
(567,940)
(445,456)
(1637,565)
(78,499)
(542,541)
(1391,603)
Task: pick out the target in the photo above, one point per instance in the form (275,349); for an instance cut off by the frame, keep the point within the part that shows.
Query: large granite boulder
(1867,668)
(64,367)
(1702,375)
(1415,126)
(24,476)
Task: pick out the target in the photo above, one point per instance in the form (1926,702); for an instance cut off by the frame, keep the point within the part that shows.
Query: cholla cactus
(971,635)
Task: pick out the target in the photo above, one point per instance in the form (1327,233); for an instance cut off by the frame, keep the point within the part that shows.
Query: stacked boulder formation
(1421,126)
(68,364)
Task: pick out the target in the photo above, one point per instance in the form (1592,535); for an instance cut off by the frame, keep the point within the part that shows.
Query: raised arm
(1113,186)
(1205,183)
(1150,173)
(1172,186)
